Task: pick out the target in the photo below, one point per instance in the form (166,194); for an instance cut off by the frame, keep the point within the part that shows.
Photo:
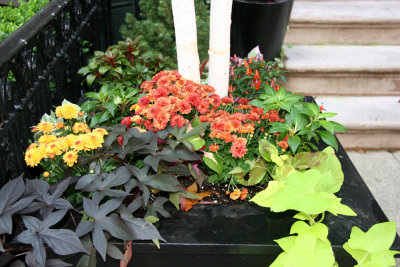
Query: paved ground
(381,172)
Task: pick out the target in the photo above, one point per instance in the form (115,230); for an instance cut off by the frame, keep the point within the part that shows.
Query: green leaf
(256,174)
(373,247)
(104,69)
(281,172)
(196,141)
(214,162)
(306,160)
(110,107)
(276,159)
(278,127)
(307,251)
(266,149)
(286,243)
(332,173)
(326,115)
(294,142)
(90,79)
(264,198)
(299,194)
(328,126)
(319,230)
(337,127)
(199,129)
(328,138)
(84,70)
(339,208)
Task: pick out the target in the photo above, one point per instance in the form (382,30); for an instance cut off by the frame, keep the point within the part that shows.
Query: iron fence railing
(38,69)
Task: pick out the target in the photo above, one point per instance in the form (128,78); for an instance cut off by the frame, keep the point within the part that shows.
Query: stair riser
(345,34)
(370,140)
(356,84)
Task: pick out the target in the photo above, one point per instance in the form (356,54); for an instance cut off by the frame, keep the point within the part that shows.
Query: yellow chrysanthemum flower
(70,158)
(79,143)
(34,155)
(67,111)
(54,148)
(80,127)
(45,127)
(45,139)
(100,131)
(93,141)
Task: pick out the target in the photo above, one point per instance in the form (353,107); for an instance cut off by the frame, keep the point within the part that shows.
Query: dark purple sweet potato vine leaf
(140,228)
(46,201)
(105,183)
(100,222)
(9,205)
(61,241)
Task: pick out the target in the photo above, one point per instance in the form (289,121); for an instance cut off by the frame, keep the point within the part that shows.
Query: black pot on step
(259,22)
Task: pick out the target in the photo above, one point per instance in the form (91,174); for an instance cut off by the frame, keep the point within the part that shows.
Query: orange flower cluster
(170,98)
(173,100)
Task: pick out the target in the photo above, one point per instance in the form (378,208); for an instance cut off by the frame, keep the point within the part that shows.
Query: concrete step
(373,122)
(343,70)
(344,22)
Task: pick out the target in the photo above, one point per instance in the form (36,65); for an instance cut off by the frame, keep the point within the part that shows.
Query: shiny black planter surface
(242,235)
(259,23)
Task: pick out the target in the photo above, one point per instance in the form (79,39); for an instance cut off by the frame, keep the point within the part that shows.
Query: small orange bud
(244,193)
(46,174)
(60,125)
(227,192)
(81,113)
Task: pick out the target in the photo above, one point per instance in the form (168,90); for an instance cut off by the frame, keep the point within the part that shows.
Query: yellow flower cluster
(50,145)
(67,111)
(45,127)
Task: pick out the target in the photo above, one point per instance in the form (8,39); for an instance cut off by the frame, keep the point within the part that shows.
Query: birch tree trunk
(220,31)
(186,39)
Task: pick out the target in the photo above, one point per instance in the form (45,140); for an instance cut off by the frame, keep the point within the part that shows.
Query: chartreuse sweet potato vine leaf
(372,248)
(309,248)
(61,241)
(300,191)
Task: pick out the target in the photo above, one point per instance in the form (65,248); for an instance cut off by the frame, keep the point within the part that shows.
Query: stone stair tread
(369,12)
(364,113)
(343,58)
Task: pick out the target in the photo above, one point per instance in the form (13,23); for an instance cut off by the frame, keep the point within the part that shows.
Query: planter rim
(260,2)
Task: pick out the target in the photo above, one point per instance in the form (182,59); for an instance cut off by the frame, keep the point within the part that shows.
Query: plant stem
(19,225)
(322,217)
(73,219)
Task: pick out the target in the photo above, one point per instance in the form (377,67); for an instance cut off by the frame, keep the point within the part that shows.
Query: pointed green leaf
(328,138)
(214,162)
(294,142)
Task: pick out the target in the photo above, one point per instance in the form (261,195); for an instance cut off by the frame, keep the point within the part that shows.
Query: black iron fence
(38,69)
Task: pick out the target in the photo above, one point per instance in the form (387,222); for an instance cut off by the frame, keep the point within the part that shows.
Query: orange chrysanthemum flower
(238,148)
(214,147)
(45,127)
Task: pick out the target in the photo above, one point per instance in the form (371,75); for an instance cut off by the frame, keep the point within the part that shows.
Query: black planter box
(243,234)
